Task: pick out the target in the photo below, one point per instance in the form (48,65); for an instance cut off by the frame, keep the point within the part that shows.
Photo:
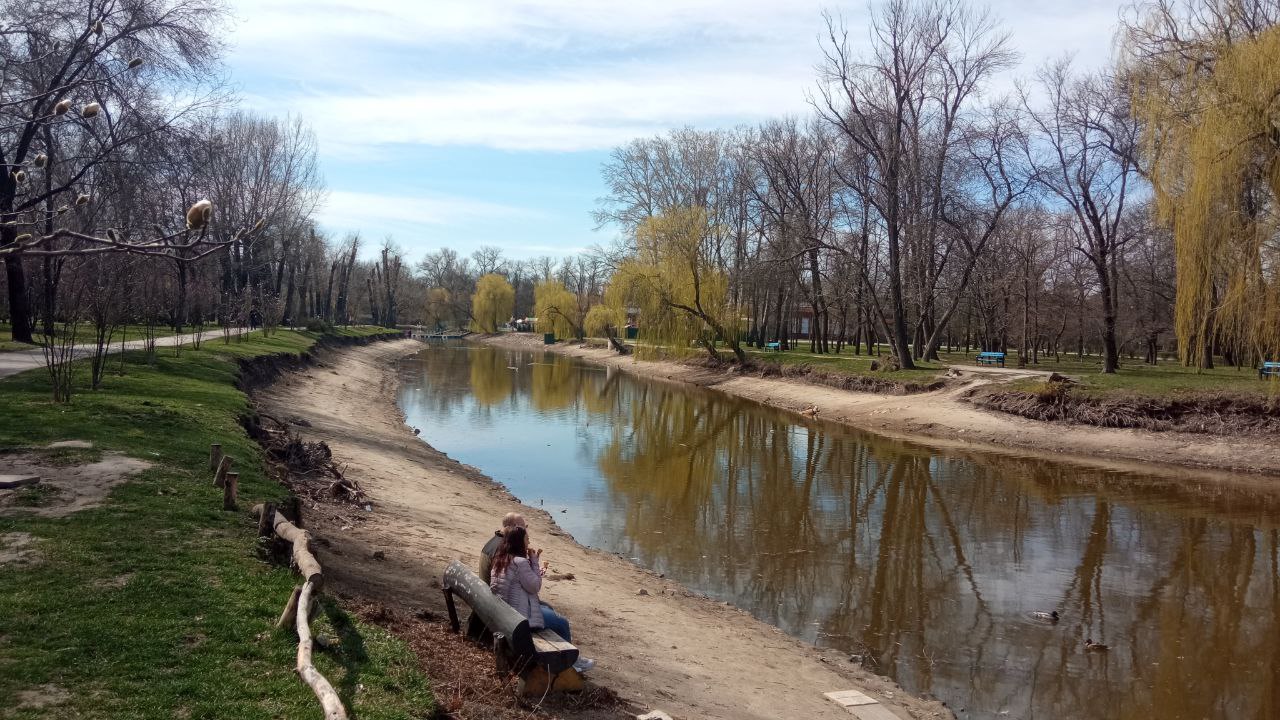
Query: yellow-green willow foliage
(492,303)
(603,320)
(439,308)
(557,309)
(1213,141)
(682,298)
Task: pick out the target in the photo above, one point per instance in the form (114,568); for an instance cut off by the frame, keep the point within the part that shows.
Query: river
(926,563)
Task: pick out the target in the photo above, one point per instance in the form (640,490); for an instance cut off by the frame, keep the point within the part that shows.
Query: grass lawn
(1167,378)
(155,605)
(7,343)
(85,336)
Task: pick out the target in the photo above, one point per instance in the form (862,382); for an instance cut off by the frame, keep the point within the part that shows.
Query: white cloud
(354,210)
(370,73)
(582,111)
(535,23)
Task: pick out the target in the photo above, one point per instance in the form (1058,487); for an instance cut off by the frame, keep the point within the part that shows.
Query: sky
(462,123)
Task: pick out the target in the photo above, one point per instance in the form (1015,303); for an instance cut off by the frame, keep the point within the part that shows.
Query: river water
(926,562)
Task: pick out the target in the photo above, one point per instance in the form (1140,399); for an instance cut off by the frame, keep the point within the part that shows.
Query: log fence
(302,601)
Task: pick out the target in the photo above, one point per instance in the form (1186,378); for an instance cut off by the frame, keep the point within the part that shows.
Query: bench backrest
(498,616)
(1271,364)
(991,354)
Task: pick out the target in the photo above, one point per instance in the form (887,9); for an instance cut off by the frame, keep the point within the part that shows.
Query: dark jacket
(486,557)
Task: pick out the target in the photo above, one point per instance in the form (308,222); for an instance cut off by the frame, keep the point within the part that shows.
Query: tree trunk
(19,303)
(1110,353)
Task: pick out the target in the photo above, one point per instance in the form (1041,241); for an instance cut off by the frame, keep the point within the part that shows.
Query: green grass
(7,343)
(1163,380)
(155,605)
(1168,378)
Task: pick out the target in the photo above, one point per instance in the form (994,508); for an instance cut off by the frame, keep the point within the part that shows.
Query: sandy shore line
(666,649)
(945,420)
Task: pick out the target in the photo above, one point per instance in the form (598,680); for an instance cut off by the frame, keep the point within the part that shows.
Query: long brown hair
(515,543)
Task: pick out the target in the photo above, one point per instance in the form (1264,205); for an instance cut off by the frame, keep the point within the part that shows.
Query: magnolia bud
(90,110)
(82,199)
(62,107)
(97,28)
(260,224)
(135,63)
(199,215)
(62,208)
(19,176)
(23,237)
(40,160)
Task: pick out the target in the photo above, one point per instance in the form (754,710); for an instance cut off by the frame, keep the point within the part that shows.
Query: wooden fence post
(266,518)
(224,467)
(215,456)
(230,486)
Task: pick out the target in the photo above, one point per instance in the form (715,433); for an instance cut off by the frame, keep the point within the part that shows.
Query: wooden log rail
(298,610)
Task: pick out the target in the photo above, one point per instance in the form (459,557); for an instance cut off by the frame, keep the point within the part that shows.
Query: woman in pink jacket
(517,579)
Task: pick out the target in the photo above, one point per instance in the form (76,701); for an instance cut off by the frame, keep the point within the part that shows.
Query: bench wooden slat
(554,651)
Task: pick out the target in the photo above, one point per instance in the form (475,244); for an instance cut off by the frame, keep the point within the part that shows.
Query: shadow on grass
(350,653)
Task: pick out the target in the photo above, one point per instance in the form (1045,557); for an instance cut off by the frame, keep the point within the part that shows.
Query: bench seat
(991,358)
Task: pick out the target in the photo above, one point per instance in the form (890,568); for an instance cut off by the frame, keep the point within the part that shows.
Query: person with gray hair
(510,520)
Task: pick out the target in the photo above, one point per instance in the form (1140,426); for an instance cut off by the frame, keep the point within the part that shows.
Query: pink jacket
(518,587)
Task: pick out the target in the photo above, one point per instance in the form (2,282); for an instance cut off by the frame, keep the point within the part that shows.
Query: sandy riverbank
(945,419)
(667,649)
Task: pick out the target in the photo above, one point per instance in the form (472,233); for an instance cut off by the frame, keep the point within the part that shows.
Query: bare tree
(1083,150)
(902,109)
(82,74)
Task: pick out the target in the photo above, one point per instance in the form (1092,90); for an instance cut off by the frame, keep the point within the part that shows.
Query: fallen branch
(300,539)
(333,709)
(298,610)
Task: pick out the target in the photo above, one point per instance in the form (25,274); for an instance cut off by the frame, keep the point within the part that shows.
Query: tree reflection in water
(927,561)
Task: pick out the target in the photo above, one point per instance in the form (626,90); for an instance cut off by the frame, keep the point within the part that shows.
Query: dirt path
(946,420)
(665,649)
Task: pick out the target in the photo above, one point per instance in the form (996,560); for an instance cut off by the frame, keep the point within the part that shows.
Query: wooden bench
(991,358)
(1269,369)
(543,660)
(774,346)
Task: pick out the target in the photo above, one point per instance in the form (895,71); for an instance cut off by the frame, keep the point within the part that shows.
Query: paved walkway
(12,363)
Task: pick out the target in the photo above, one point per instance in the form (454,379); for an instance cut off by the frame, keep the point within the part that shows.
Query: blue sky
(463,123)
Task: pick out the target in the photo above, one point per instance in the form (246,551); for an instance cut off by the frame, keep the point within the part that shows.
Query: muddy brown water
(926,563)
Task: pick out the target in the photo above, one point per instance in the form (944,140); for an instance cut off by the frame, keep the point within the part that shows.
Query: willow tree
(604,321)
(682,296)
(492,302)
(558,310)
(1207,95)
(438,309)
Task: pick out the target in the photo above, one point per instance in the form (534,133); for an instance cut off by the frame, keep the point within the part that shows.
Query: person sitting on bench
(509,521)
(517,578)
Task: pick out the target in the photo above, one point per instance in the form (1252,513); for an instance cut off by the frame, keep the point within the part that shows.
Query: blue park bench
(991,358)
(1269,369)
(774,346)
